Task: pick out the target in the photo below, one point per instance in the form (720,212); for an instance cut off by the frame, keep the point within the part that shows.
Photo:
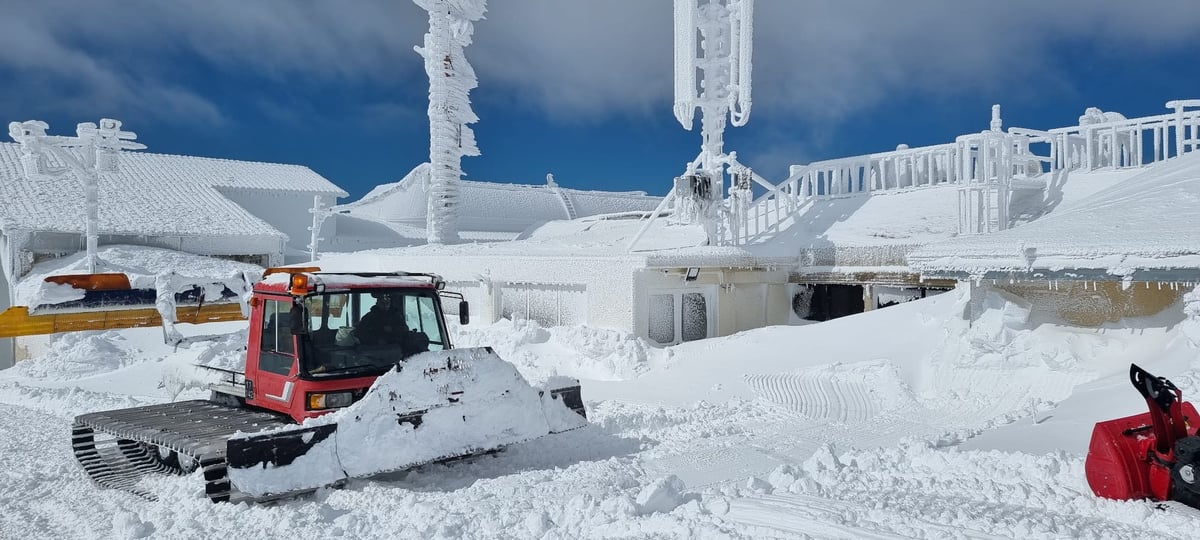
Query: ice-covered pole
(320,213)
(450,81)
(713,46)
(98,151)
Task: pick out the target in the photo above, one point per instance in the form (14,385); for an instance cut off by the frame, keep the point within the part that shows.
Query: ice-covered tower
(450,81)
(713,45)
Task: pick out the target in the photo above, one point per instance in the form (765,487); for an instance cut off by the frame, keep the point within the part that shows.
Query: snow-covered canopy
(490,206)
(151,194)
(596,239)
(1146,228)
(141,264)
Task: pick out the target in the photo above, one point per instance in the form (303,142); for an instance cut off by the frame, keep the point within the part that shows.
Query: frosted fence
(982,164)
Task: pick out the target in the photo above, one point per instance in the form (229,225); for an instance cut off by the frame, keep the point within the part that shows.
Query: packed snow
(935,427)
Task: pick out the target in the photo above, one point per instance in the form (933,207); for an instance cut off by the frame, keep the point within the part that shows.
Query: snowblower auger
(1154,455)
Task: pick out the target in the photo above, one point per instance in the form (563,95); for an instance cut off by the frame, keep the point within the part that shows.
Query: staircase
(567,204)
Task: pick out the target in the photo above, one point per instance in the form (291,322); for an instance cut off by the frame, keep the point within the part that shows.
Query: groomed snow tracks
(818,396)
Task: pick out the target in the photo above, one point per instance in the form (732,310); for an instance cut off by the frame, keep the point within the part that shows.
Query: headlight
(332,400)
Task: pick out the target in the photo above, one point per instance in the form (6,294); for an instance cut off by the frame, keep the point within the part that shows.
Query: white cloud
(571,59)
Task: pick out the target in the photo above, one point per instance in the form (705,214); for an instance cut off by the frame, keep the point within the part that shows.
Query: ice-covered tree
(450,81)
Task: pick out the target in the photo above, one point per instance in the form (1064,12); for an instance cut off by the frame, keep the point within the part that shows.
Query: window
(422,316)
(370,331)
(662,318)
(665,328)
(695,316)
(548,304)
(278,347)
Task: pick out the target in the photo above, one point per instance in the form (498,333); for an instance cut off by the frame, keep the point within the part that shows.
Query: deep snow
(931,428)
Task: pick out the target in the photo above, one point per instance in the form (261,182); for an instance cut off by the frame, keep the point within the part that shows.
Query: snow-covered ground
(897,423)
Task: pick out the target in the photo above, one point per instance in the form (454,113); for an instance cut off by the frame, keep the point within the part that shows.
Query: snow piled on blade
(468,401)
(141,264)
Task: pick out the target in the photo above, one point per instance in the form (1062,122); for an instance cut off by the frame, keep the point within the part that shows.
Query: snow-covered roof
(607,237)
(496,207)
(151,194)
(1146,227)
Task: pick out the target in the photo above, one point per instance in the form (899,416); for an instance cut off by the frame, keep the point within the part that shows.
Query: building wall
(737,299)
(1091,303)
(560,290)
(288,212)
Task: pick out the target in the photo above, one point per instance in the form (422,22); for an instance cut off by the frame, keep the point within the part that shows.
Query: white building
(578,272)
(253,212)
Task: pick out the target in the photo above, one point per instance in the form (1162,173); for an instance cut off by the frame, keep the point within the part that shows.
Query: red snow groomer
(1154,455)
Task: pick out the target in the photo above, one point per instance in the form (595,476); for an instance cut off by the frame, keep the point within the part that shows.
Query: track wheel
(172,459)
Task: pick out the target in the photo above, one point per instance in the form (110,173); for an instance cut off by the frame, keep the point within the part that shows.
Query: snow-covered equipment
(1154,455)
(107,301)
(312,410)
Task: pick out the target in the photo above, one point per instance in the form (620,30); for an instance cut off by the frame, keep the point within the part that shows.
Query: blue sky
(582,89)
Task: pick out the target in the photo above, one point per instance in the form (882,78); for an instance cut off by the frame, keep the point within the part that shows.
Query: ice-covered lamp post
(450,81)
(98,151)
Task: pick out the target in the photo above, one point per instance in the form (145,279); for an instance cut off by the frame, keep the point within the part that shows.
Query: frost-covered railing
(1107,141)
(904,168)
(1131,142)
(749,220)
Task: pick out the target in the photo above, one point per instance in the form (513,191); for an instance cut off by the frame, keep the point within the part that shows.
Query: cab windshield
(367,332)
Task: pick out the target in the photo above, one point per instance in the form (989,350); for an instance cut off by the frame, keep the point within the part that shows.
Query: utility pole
(98,149)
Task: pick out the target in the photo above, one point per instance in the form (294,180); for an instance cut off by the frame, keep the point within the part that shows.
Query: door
(680,315)
(276,370)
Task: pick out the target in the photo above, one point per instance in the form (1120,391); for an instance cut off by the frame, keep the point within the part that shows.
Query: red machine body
(278,375)
(1134,457)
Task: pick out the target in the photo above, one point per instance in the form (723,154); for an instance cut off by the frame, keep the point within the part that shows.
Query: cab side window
(278,347)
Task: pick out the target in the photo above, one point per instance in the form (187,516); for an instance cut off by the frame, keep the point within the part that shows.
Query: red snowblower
(1155,455)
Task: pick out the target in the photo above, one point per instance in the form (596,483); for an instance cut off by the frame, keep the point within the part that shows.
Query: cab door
(271,357)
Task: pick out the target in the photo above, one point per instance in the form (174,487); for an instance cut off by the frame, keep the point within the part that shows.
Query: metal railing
(983,165)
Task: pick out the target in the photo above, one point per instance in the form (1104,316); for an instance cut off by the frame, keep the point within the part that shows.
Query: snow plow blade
(433,407)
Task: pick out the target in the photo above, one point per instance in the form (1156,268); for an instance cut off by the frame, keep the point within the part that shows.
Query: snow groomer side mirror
(464,313)
(299,319)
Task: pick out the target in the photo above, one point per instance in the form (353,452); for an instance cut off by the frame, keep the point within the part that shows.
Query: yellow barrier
(16,321)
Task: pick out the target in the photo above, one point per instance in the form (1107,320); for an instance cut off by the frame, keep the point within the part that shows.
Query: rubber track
(109,445)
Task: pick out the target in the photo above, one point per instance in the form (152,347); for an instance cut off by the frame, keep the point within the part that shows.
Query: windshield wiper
(365,368)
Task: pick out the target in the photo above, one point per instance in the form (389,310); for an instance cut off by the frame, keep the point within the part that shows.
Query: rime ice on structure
(713,45)
(450,80)
(98,150)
